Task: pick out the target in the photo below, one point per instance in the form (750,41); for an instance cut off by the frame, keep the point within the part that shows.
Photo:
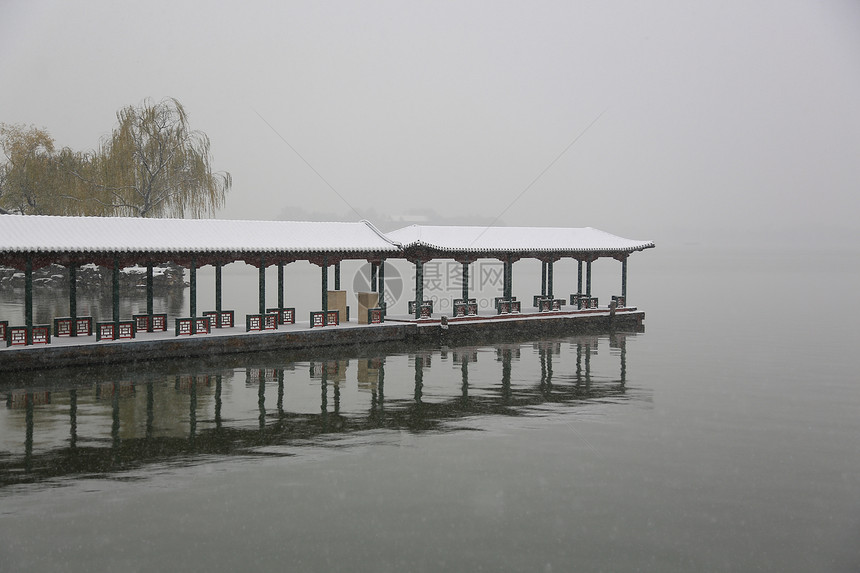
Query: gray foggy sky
(708,120)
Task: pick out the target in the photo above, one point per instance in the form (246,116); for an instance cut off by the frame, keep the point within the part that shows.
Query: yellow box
(337,301)
(366,300)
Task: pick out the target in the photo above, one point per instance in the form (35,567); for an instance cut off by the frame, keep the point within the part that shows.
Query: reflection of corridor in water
(118,423)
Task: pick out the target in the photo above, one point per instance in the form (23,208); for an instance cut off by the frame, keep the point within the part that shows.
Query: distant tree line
(151,165)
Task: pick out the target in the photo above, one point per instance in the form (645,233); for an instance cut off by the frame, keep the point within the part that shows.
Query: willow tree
(28,176)
(154,165)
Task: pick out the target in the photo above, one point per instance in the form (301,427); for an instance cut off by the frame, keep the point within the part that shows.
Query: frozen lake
(722,438)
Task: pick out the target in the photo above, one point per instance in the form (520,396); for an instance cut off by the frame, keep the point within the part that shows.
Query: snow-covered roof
(31,233)
(21,234)
(514,239)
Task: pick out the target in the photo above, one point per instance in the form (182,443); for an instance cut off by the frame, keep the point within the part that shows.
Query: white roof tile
(19,233)
(514,239)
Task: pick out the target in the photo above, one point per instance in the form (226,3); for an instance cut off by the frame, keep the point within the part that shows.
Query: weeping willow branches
(152,165)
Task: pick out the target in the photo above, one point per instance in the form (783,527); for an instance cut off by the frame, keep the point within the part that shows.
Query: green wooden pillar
(419,287)
(280,285)
(578,277)
(466,281)
(588,278)
(509,294)
(381,285)
(262,281)
(624,279)
(28,298)
(192,294)
(549,279)
(324,293)
(373,283)
(505,279)
(149,292)
(543,278)
(73,297)
(337,276)
(507,287)
(116,292)
(218,291)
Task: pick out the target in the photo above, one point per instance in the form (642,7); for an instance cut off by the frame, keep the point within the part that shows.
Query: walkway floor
(304,326)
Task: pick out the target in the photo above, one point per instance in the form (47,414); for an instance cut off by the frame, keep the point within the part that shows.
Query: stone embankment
(93,277)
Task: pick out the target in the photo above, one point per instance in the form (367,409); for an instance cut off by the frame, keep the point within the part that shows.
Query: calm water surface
(722,438)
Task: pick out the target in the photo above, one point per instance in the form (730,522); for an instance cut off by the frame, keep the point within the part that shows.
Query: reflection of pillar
(192,410)
(336,397)
(73,418)
(380,387)
(506,373)
(114,431)
(261,400)
(149,290)
(419,287)
(73,297)
(464,373)
(324,390)
(542,354)
(150,408)
(419,378)
(262,281)
(280,285)
(218,292)
(280,374)
(549,368)
(623,361)
(578,363)
(587,366)
(28,436)
(218,402)
(465,280)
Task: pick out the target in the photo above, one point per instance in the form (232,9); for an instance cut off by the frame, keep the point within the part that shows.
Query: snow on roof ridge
(118,217)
